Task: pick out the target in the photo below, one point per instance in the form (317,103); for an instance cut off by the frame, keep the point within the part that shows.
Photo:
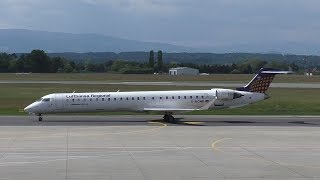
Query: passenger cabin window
(46,99)
(152,97)
(121,98)
(97,99)
(160,97)
(102,99)
(178,97)
(115,99)
(108,99)
(138,98)
(166,97)
(190,97)
(197,97)
(144,98)
(132,98)
(172,97)
(185,97)
(90,99)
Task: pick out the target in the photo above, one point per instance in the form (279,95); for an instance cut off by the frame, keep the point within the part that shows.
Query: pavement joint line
(15,163)
(261,159)
(206,165)
(274,162)
(202,162)
(98,134)
(143,173)
(67,158)
(10,145)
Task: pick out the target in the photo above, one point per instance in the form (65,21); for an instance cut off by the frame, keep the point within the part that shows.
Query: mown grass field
(14,97)
(292,78)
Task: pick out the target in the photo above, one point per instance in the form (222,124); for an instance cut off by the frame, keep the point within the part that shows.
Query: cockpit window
(46,99)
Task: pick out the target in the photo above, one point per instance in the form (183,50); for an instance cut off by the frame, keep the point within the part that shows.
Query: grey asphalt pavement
(143,147)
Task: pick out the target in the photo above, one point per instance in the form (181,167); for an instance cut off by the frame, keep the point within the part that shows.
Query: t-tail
(261,82)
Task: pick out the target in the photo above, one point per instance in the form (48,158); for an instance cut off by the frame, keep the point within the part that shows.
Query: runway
(183,83)
(143,147)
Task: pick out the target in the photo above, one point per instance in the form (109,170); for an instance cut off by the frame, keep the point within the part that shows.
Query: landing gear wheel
(40,117)
(166,118)
(171,119)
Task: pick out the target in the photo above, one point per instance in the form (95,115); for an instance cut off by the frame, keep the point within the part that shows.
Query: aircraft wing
(167,109)
(205,107)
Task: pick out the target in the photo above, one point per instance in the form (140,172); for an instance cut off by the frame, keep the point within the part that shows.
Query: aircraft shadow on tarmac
(234,121)
(149,121)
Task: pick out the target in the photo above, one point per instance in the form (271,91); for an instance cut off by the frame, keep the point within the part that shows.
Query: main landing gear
(168,117)
(40,117)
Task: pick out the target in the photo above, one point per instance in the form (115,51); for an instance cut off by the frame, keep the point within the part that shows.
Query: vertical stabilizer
(261,82)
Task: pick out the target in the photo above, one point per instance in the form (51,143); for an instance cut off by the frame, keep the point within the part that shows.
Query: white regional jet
(167,102)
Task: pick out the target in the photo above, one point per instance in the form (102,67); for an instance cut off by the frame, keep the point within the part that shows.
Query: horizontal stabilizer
(276,72)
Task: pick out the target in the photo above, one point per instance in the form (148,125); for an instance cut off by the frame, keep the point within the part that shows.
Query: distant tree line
(196,58)
(38,61)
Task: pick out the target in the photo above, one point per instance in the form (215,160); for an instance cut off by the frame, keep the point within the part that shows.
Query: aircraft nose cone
(26,109)
(29,108)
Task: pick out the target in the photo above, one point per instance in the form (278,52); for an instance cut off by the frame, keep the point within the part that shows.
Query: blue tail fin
(261,82)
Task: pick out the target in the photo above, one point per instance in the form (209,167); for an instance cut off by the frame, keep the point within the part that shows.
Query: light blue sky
(197,23)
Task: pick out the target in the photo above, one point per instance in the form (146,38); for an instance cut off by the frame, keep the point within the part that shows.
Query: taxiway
(143,147)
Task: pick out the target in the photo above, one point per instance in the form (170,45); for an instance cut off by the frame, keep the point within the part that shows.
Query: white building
(183,71)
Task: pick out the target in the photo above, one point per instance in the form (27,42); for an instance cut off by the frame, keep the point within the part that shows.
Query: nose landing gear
(40,117)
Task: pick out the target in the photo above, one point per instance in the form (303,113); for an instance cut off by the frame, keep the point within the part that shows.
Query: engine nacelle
(226,94)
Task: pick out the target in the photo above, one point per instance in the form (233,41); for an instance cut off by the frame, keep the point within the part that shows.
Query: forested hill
(197,58)
(23,41)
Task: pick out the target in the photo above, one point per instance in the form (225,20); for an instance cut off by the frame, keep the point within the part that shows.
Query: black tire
(40,118)
(166,118)
(171,119)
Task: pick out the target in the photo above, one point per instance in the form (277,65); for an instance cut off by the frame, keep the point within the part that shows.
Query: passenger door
(59,104)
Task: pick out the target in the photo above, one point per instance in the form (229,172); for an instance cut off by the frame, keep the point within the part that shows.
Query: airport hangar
(183,71)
